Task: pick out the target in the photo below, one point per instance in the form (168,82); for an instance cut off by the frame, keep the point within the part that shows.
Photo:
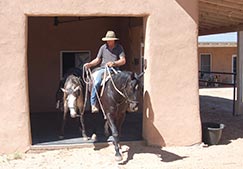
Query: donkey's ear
(64,91)
(76,88)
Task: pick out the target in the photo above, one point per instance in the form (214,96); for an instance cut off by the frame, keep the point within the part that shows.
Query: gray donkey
(73,102)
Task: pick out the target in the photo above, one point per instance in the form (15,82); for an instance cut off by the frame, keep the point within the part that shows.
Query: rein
(109,72)
(90,79)
(124,94)
(88,82)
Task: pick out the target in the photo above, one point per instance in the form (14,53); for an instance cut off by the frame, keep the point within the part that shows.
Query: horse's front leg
(82,126)
(115,135)
(61,135)
(106,129)
(94,126)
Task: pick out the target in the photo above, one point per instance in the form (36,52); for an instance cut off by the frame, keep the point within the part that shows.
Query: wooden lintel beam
(225,29)
(223,3)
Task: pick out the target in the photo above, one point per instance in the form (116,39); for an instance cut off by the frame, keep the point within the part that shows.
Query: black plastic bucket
(212,132)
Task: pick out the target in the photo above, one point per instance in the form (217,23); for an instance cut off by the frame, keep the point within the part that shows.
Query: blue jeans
(97,76)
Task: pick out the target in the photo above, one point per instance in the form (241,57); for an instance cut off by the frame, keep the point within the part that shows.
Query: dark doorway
(55,45)
(45,128)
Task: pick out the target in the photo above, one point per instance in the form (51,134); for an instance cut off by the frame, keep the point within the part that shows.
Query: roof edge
(217,44)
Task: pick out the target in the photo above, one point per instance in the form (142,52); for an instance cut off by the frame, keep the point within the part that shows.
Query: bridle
(72,91)
(124,93)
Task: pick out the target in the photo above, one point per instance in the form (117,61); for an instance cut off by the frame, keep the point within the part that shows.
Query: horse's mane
(121,78)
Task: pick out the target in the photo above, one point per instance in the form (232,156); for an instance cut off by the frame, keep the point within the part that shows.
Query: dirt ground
(216,106)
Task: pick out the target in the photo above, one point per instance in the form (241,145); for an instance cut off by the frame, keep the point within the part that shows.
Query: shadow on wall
(151,134)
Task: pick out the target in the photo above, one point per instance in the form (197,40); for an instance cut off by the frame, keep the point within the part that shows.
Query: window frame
(71,51)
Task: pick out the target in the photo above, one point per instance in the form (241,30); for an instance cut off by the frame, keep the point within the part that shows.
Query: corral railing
(213,79)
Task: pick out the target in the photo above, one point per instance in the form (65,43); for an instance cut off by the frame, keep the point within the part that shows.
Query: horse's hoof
(85,138)
(93,137)
(61,137)
(118,158)
(111,139)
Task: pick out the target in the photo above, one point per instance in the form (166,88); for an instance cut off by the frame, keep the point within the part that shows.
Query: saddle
(105,76)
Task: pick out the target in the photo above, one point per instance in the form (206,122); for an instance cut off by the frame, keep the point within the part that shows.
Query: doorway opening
(56,44)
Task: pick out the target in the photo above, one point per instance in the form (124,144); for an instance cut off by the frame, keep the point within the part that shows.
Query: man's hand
(93,63)
(87,65)
(110,64)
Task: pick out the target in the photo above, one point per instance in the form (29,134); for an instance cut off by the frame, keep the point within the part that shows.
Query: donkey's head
(70,100)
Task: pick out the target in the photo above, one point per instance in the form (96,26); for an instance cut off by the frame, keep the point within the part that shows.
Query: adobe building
(218,57)
(160,38)
(31,45)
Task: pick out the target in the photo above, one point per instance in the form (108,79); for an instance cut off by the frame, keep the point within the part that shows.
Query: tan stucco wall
(171,103)
(221,60)
(171,115)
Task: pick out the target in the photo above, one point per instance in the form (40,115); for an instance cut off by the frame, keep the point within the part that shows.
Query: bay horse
(120,95)
(73,102)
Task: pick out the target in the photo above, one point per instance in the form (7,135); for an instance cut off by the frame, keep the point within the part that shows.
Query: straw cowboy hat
(110,35)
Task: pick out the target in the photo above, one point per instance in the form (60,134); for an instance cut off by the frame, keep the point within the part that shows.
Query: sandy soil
(216,106)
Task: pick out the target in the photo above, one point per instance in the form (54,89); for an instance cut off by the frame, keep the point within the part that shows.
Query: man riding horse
(119,93)
(110,54)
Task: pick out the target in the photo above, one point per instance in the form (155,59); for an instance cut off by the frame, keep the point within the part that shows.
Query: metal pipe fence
(215,81)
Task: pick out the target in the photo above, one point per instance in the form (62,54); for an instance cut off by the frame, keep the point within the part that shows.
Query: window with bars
(71,59)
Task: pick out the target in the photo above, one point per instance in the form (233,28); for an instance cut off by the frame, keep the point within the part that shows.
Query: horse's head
(70,99)
(132,92)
